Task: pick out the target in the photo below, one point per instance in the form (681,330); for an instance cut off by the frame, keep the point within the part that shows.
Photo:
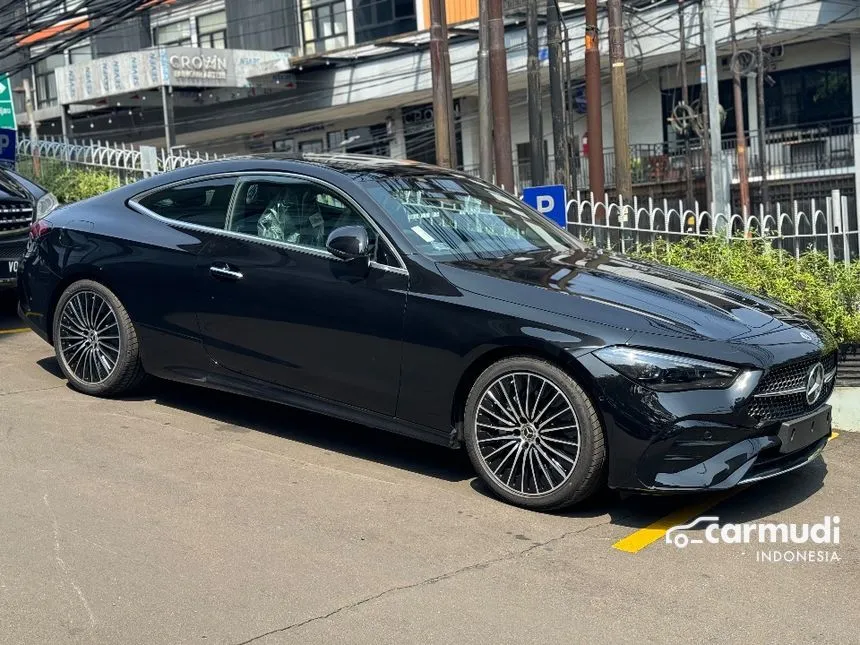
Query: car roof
(354,164)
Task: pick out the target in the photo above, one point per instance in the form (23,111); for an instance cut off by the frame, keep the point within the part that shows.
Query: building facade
(354,76)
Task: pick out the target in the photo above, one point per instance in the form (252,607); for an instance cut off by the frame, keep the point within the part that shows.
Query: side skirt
(260,390)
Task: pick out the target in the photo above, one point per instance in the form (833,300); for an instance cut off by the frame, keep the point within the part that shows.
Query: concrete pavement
(186,516)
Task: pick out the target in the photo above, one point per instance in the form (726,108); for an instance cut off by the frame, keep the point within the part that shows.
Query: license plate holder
(799,433)
(8,268)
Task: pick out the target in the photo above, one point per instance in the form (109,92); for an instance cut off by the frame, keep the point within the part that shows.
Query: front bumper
(697,440)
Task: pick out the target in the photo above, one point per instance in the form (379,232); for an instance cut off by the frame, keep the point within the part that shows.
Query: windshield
(448,217)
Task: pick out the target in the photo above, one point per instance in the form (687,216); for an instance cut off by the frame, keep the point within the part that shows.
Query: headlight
(666,372)
(46,204)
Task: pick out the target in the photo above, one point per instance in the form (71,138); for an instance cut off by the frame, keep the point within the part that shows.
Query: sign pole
(34,128)
(8,126)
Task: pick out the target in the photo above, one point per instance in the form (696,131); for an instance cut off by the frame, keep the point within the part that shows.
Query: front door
(280,308)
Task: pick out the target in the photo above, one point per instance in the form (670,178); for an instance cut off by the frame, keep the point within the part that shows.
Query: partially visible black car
(427,302)
(21,203)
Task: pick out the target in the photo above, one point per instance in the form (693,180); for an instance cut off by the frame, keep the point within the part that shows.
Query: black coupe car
(426,302)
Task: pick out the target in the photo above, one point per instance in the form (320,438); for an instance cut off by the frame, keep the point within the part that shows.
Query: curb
(846,408)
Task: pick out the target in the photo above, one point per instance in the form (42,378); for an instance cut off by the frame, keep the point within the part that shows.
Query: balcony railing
(817,150)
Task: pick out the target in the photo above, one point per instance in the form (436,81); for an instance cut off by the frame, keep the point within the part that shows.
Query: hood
(619,291)
(12,191)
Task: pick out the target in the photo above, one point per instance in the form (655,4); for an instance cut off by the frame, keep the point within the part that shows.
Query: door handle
(222,271)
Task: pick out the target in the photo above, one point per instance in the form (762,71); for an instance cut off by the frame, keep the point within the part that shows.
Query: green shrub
(74,185)
(69,184)
(826,291)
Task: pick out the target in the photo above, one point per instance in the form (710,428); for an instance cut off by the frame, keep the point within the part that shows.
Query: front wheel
(95,341)
(533,434)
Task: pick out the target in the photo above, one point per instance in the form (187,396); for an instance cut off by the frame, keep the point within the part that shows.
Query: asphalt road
(184,516)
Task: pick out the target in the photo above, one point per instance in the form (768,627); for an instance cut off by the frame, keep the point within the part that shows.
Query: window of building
(380,18)
(809,95)
(177,34)
(47,10)
(334,140)
(80,54)
(212,30)
(314,146)
(45,80)
(324,25)
(203,203)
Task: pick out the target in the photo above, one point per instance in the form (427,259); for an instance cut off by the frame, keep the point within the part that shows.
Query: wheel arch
(547,352)
(70,277)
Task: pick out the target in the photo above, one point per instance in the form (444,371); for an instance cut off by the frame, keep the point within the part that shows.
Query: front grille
(789,377)
(15,218)
(12,249)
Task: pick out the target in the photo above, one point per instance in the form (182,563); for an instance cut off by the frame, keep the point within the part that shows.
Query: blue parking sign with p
(7,146)
(549,201)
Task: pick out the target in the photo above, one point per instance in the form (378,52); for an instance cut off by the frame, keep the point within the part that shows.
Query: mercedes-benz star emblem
(814,383)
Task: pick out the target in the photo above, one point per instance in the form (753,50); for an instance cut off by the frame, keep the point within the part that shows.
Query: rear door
(279,307)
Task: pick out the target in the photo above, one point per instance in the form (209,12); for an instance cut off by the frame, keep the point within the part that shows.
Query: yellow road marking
(14,331)
(638,540)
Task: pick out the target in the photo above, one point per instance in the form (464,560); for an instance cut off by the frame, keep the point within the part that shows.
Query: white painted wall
(645,118)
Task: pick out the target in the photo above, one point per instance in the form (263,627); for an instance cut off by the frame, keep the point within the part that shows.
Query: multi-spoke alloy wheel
(533,434)
(89,337)
(528,433)
(95,340)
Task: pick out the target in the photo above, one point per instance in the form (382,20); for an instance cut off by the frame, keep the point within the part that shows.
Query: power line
(338,90)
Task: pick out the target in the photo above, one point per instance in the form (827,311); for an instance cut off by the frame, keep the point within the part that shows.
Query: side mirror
(348,243)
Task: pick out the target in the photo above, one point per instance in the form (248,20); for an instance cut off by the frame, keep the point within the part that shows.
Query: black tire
(127,371)
(585,470)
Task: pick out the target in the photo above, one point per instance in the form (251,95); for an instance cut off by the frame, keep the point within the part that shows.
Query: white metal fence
(129,162)
(828,226)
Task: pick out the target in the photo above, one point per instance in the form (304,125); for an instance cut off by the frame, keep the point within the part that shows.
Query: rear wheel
(533,434)
(95,341)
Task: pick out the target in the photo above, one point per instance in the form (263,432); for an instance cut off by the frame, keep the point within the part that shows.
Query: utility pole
(743,174)
(485,110)
(34,129)
(718,186)
(572,145)
(538,176)
(762,142)
(167,110)
(501,106)
(594,105)
(556,96)
(685,100)
(441,74)
(620,117)
(703,103)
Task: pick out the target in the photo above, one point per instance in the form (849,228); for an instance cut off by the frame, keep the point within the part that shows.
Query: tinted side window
(204,202)
(290,210)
